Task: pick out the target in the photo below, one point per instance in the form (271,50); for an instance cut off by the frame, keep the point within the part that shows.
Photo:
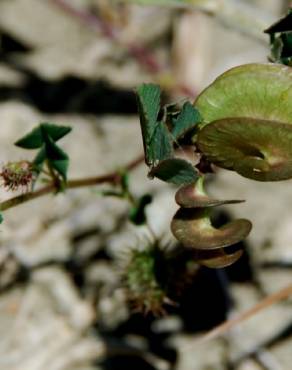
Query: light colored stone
(199,355)
(45,326)
(66,45)
(282,353)
(249,365)
(10,77)
(245,337)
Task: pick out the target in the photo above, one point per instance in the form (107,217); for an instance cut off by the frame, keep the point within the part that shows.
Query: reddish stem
(140,53)
(113,178)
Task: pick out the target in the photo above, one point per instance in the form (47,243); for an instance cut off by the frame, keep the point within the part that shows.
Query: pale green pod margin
(261,91)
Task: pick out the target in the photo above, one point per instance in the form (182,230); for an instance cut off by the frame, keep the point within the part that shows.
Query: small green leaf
(137,213)
(161,143)
(32,140)
(283,25)
(156,137)
(1,218)
(35,139)
(58,159)
(40,158)
(187,119)
(176,171)
(55,132)
(149,98)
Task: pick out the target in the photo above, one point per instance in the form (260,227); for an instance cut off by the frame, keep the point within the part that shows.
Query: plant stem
(143,55)
(113,178)
(266,302)
(96,24)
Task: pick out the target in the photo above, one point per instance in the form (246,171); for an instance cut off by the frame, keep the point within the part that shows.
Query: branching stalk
(112,178)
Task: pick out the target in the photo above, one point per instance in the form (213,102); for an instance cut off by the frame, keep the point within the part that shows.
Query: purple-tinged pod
(257,149)
(194,196)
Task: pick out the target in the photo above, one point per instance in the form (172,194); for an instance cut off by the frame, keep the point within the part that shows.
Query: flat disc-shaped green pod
(256,149)
(218,258)
(261,91)
(193,228)
(192,196)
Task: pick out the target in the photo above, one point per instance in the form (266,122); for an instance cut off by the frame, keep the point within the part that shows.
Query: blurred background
(62,303)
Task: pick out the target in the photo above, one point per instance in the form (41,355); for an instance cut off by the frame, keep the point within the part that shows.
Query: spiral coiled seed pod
(192,226)
(247,124)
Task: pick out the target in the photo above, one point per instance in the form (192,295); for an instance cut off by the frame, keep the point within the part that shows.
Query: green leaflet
(57,158)
(188,118)
(283,25)
(35,139)
(281,40)
(44,137)
(176,171)
(156,137)
(159,141)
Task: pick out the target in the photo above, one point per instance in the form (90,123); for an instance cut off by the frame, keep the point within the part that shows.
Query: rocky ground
(62,305)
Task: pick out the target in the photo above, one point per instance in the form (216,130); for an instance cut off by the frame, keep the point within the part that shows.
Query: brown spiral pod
(192,226)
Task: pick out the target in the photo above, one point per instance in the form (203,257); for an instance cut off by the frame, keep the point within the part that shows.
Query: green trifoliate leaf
(188,118)
(36,138)
(156,138)
(176,171)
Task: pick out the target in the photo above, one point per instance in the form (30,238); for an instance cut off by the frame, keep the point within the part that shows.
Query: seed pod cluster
(247,124)
(247,128)
(192,226)
(17,175)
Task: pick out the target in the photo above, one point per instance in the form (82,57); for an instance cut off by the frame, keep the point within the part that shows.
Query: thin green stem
(112,178)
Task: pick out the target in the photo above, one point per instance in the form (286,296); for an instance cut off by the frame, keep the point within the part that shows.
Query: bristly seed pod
(141,278)
(17,175)
(157,276)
